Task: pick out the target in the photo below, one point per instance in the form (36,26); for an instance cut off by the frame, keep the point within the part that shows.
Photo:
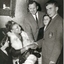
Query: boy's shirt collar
(54,16)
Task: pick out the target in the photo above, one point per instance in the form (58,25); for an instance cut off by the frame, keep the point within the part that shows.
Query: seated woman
(5,58)
(20,42)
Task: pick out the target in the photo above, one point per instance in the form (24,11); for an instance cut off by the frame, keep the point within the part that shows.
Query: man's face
(51,9)
(33,8)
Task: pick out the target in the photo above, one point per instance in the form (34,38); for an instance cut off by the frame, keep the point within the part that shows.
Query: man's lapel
(39,17)
(32,20)
(51,23)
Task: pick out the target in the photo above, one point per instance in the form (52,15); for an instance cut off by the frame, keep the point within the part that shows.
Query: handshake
(30,53)
(35,52)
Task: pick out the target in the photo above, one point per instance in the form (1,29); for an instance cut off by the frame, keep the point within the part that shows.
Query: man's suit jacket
(30,25)
(52,41)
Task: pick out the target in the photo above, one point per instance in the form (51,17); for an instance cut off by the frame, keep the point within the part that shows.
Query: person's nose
(48,11)
(32,9)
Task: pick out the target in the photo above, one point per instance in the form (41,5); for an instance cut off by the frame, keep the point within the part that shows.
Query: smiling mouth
(49,14)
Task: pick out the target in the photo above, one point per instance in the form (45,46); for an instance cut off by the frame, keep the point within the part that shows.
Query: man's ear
(37,7)
(57,8)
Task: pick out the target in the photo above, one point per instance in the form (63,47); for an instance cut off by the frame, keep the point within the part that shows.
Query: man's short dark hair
(37,4)
(52,2)
(31,2)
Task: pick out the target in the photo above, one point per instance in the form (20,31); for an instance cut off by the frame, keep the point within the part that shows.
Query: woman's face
(46,20)
(16,28)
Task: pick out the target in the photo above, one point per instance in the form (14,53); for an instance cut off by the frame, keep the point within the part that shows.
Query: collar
(54,16)
(36,15)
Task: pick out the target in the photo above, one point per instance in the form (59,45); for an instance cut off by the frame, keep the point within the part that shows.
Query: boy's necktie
(36,20)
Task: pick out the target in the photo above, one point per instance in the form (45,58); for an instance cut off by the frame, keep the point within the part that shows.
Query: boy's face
(51,10)
(46,20)
(33,8)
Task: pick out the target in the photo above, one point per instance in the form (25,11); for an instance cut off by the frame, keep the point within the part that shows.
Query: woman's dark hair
(46,15)
(10,24)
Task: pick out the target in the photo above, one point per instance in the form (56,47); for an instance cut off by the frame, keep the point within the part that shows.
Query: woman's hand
(32,46)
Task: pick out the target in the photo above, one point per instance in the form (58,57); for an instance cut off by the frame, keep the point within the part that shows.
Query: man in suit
(52,40)
(33,21)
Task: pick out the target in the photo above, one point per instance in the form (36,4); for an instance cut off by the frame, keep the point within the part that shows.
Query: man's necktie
(16,62)
(36,20)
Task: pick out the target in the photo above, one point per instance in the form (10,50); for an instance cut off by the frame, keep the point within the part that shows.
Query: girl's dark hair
(10,24)
(46,15)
